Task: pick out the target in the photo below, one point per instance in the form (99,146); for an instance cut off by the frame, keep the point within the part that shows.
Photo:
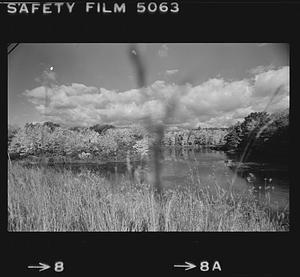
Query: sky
(211,84)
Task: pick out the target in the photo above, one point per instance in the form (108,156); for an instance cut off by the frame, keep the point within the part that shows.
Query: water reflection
(182,166)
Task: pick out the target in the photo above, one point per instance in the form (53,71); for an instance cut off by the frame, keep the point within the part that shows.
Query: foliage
(233,139)
(261,132)
(80,143)
(142,146)
(100,129)
(11,132)
(194,137)
(100,142)
(51,125)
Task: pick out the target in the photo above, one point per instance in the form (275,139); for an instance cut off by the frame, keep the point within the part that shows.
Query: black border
(240,254)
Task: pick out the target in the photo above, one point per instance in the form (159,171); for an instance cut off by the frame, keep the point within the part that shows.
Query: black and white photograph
(148,137)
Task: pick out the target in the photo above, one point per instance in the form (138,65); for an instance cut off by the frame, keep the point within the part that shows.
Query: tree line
(195,137)
(260,134)
(104,141)
(76,143)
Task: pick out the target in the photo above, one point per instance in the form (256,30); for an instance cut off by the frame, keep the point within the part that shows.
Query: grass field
(63,201)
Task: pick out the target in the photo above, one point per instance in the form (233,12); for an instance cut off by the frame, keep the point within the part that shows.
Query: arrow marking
(187,266)
(41,266)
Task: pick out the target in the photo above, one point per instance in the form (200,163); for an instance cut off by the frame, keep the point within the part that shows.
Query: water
(182,166)
(265,179)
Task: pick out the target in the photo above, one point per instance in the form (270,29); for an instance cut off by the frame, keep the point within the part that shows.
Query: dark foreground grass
(50,201)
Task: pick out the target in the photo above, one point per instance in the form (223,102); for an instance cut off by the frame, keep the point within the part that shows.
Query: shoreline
(131,203)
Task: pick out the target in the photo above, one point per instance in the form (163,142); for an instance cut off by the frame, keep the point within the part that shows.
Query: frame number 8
(59,267)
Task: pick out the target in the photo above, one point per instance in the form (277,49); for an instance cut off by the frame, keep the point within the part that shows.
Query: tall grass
(64,201)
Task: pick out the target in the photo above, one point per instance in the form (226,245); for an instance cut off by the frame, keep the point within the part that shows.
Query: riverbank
(48,201)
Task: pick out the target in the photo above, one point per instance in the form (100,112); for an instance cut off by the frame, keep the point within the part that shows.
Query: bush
(100,129)
(261,133)
(40,139)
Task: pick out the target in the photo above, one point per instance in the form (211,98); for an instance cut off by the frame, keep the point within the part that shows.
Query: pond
(266,180)
(181,166)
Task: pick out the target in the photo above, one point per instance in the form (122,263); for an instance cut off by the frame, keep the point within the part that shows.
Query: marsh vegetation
(100,179)
(66,201)
(64,177)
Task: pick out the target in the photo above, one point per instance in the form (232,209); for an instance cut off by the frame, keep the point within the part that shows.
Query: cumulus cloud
(267,82)
(261,68)
(216,102)
(163,51)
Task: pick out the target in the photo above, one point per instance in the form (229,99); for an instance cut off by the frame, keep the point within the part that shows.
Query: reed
(64,201)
